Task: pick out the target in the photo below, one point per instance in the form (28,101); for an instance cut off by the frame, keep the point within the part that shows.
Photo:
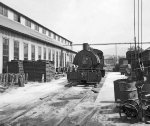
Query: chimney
(85,46)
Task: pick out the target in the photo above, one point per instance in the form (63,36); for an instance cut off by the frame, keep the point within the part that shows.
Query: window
(67,42)
(57,59)
(28,23)
(70,57)
(58,38)
(43,31)
(25,51)
(53,55)
(49,34)
(16,17)
(39,53)
(60,59)
(36,27)
(44,53)
(16,50)
(62,40)
(32,52)
(65,59)
(5,54)
(3,11)
(54,36)
(49,54)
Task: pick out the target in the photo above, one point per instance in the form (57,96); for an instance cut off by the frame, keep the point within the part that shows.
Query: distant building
(110,61)
(22,38)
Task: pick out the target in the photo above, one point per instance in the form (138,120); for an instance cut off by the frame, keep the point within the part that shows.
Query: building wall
(21,39)
(1,48)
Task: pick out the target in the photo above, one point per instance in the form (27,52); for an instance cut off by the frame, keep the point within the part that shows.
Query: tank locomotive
(89,64)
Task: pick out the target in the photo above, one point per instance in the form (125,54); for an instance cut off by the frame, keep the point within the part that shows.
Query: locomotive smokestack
(85,46)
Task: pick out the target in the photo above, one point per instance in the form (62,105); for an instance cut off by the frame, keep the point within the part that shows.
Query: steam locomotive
(89,64)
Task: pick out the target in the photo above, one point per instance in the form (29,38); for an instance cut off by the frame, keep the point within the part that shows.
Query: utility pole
(134,30)
(116,53)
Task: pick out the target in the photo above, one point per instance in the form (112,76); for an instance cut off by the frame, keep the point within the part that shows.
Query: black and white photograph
(74,62)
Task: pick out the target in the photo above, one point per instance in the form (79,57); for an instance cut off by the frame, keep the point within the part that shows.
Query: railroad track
(89,114)
(71,109)
(46,98)
(42,99)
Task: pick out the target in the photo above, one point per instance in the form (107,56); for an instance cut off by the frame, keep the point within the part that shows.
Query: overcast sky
(90,21)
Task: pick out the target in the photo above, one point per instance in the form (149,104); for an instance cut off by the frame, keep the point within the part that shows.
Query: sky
(88,21)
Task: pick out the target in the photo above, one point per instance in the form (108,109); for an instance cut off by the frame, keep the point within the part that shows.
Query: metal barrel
(117,89)
(128,90)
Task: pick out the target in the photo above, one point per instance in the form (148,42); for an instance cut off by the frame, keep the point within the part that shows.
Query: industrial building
(22,38)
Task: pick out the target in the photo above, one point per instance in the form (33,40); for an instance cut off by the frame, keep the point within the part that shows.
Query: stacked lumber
(15,66)
(29,68)
(41,70)
(45,70)
(15,74)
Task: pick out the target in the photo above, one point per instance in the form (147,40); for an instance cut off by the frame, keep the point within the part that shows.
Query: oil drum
(128,91)
(127,86)
(117,89)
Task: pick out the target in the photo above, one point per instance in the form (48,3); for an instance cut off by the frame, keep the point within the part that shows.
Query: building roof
(17,27)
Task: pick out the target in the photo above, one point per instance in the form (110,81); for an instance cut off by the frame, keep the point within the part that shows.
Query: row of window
(4,11)
(51,53)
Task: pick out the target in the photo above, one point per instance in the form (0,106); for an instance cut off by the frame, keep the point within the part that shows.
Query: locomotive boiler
(89,64)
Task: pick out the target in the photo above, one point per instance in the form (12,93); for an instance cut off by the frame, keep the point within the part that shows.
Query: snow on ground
(106,94)
(32,91)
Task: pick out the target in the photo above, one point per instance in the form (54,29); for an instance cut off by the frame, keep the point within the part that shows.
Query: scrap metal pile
(133,98)
(132,95)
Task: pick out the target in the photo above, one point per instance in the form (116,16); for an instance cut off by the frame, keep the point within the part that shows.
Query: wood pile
(15,66)
(29,68)
(41,70)
(45,70)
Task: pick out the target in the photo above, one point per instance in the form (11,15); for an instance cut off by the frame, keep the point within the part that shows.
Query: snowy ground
(52,104)
(19,96)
